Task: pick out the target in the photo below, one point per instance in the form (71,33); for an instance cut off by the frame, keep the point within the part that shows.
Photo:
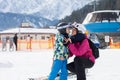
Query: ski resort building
(40,37)
(104,23)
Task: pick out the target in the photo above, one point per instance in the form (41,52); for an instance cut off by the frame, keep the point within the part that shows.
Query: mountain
(11,20)
(39,13)
(50,9)
(80,14)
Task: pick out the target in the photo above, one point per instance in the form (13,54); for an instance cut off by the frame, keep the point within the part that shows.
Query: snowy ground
(22,65)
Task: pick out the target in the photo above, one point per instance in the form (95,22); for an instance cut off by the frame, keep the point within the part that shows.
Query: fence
(40,44)
(115,45)
(32,44)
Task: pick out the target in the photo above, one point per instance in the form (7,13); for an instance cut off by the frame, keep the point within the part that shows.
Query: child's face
(67,30)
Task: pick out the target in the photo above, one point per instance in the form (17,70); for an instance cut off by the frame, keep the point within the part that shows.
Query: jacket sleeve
(59,40)
(70,54)
(80,49)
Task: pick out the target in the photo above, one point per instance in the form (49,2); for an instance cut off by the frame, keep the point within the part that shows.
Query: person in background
(28,42)
(4,43)
(15,39)
(60,54)
(79,47)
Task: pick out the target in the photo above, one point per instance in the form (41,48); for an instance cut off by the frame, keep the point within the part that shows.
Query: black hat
(62,27)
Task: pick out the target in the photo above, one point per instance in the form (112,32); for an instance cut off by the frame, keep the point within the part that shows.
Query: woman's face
(74,31)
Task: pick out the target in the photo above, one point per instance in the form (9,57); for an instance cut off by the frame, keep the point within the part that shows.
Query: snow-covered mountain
(51,9)
(39,13)
(11,20)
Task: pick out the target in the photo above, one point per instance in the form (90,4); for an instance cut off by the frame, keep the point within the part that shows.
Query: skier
(60,54)
(11,44)
(4,43)
(28,42)
(15,39)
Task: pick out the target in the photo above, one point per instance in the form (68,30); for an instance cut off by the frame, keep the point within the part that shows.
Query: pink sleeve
(70,54)
(79,50)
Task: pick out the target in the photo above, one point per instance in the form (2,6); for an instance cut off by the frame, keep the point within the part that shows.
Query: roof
(100,11)
(109,15)
(29,30)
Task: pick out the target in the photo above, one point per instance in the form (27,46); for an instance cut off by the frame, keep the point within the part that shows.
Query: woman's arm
(79,49)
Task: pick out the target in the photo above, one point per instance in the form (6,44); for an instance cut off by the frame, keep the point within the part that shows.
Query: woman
(79,47)
(60,54)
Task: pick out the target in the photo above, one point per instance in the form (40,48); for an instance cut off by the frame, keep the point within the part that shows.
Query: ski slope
(21,65)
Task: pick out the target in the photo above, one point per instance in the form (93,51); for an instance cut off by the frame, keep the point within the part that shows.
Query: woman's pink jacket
(81,49)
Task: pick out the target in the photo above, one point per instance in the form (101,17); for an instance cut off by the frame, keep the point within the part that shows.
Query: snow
(21,65)
(107,66)
(49,9)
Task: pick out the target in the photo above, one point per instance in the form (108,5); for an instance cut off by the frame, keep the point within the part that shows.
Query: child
(60,54)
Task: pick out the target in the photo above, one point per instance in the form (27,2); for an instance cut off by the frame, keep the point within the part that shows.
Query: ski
(70,76)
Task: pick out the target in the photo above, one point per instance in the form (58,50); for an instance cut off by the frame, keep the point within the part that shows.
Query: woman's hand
(69,40)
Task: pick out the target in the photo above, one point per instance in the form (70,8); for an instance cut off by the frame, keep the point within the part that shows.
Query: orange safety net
(35,44)
(115,45)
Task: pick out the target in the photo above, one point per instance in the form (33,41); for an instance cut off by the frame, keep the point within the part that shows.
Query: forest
(79,15)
